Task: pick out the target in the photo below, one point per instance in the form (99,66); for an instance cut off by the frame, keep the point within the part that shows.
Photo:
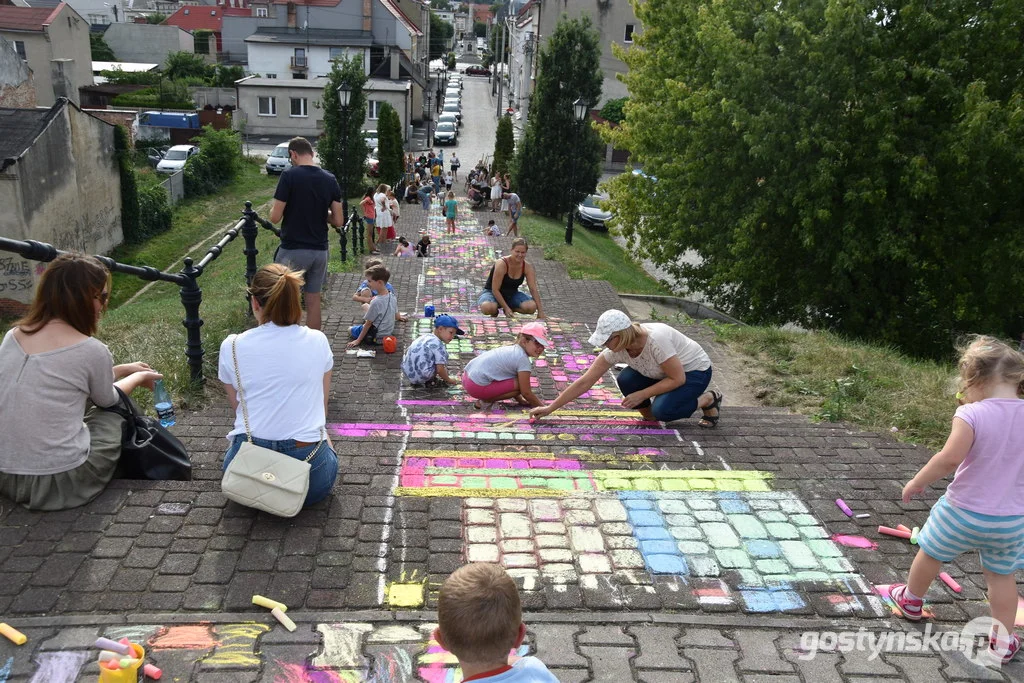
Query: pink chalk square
(520,464)
(471,462)
(542,464)
(380,433)
(567,464)
(421,434)
(444,462)
(415,463)
(351,432)
(497,464)
(413,480)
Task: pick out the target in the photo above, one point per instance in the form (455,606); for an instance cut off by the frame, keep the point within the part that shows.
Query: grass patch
(831,378)
(594,255)
(194,221)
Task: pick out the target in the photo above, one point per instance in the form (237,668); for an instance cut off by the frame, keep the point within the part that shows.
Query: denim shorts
(313,261)
(514,302)
(323,468)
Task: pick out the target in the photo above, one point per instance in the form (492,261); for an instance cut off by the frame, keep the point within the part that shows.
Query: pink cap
(538,332)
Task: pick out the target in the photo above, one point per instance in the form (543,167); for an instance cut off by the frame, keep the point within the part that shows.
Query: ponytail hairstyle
(278,289)
(66,291)
(986,358)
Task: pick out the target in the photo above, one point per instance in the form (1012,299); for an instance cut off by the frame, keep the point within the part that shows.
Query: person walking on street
(515,210)
(455,163)
(306,199)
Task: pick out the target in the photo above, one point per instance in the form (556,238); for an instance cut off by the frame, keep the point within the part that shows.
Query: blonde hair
(372,261)
(627,337)
(520,241)
(382,188)
(451,194)
(985,358)
(278,290)
(479,613)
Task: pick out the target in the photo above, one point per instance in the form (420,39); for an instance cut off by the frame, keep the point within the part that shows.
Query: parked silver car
(279,161)
(590,214)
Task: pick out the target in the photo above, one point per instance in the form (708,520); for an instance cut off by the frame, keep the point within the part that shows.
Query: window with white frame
(261,12)
(271,76)
(628,36)
(268,106)
(299,107)
(19,47)
(337,53)
(375,106)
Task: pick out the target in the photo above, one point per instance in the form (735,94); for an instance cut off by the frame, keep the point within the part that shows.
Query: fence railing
(187,278)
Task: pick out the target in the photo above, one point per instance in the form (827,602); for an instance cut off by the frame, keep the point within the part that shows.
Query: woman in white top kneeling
(286,378)
(666,377)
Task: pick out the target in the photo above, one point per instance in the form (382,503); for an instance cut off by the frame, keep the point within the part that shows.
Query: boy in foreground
(480,620)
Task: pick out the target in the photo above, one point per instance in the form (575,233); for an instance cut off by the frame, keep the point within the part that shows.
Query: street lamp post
(344,96)
(579,109)
(429,114)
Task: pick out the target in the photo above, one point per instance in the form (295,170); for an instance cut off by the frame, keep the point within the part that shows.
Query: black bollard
(191,298)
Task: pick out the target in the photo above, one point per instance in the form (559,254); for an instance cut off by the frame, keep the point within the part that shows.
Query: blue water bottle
(164,407)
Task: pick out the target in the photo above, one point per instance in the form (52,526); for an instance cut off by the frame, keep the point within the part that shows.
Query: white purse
(262,478)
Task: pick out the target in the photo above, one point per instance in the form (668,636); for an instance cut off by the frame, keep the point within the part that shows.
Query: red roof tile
(197,17)
(27,18)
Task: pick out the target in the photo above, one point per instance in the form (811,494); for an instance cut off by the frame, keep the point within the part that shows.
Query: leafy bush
(129,189)
(614,110)
(154,212)
(215,165)
(504,146)
(389,147)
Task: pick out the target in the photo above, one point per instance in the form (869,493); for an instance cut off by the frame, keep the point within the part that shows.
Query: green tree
(504,146)
(451,61)
(101,52)
(216,164)
(568,68)
(441,33)
(156,18)
(614,110)
(329,147)
(182,65)
(479,29)
(832,163)
(390,151)
(224,76)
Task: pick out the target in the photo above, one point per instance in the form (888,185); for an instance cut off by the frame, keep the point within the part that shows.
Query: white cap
(609,323)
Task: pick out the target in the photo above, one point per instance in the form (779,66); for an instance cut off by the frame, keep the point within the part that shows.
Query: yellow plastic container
(130,674)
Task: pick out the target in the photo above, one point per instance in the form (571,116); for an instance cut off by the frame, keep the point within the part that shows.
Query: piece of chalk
(950,581)
(112,645)
(900,533)
(902,528)
(107,655)
(863,515)
(268,603)
(283,618)
(152,672)
(128,662)
(913,535)
(844,507)
(112,664)
(12,634)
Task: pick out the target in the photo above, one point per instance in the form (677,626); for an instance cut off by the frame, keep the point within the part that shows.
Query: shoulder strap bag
(148,449)
(261,478)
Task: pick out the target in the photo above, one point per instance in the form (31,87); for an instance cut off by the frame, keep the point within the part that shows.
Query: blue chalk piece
(734,506)
(651,533)
(763,549)
(641,518)
(658,548)
(666,564)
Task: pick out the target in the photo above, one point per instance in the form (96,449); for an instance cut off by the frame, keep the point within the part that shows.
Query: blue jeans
(514,301)
(673,405)
(323,468)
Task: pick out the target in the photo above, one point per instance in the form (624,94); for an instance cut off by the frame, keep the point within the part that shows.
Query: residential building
(615,22)
(17,88)
(205,23)
(147,42)
(524,41)
(54,43)
(74,205)
(288,107)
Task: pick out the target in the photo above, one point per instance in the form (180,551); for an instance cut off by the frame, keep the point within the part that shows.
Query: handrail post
(249,232)
(360,238)
(343,241)
(191,297)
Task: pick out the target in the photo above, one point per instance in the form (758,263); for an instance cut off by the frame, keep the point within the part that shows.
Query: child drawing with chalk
(426,359)
(983,507)
(505,372)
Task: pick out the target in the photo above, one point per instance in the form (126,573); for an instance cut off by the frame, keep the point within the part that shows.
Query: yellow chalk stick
(283,618)
(12,634)
(268,603)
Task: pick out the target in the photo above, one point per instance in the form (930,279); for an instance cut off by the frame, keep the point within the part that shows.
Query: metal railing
(186,279)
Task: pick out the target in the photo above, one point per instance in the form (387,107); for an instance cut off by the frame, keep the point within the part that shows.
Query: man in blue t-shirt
(306,199)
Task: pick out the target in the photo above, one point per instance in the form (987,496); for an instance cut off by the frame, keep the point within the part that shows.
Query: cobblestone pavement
(644,552)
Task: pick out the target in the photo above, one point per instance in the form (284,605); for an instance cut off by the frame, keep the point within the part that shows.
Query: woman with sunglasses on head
(285,372)
(501,289)
(666,377)
(60,448)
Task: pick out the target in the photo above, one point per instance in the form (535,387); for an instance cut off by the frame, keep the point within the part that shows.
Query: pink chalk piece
(903,528)
(899,533)
(152,672)
(112,645)
(844,507)
(855,542)
(950,581)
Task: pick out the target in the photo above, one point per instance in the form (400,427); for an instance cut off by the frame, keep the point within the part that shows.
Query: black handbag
(148,450)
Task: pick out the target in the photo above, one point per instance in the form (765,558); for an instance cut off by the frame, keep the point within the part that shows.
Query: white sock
(910,596)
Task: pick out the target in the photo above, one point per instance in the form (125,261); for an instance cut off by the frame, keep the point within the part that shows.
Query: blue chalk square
(666,564)
(734,506)
(651,533)
(766,600)
(763,549)
(637,503)
(658,548)
(642,518)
